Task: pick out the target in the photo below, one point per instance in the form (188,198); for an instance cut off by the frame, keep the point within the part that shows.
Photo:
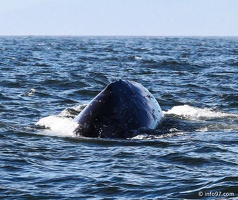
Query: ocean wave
(194,113)
(44,75)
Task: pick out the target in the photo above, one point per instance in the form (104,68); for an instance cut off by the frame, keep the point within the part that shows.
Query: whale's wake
(63,124)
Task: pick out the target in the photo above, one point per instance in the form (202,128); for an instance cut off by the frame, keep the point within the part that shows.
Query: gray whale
(119,111)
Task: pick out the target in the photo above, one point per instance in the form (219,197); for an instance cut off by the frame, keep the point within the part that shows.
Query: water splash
(58,126)
(63,124)
(194,113)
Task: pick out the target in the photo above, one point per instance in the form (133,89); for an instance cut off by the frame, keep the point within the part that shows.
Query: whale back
(118,111)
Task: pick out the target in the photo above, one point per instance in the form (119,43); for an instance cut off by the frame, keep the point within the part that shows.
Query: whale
(122,110)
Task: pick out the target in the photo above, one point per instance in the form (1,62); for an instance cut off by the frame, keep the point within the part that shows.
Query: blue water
(46,81)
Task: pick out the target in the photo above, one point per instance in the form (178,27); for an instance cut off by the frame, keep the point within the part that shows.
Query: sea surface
(46,81)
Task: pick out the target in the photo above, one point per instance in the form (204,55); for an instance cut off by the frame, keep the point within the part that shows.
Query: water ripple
(194,150)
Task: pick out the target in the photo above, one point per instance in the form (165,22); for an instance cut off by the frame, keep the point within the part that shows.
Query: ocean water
(46,81)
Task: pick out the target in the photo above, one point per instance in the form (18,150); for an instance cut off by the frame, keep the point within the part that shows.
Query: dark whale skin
(119,111)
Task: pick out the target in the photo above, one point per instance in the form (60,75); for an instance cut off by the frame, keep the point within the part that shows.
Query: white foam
(63,124)
(58,126)
(195,113)
(138,58)
(159,136)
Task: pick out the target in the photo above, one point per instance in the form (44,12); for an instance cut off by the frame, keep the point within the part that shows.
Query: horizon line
(74,35)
